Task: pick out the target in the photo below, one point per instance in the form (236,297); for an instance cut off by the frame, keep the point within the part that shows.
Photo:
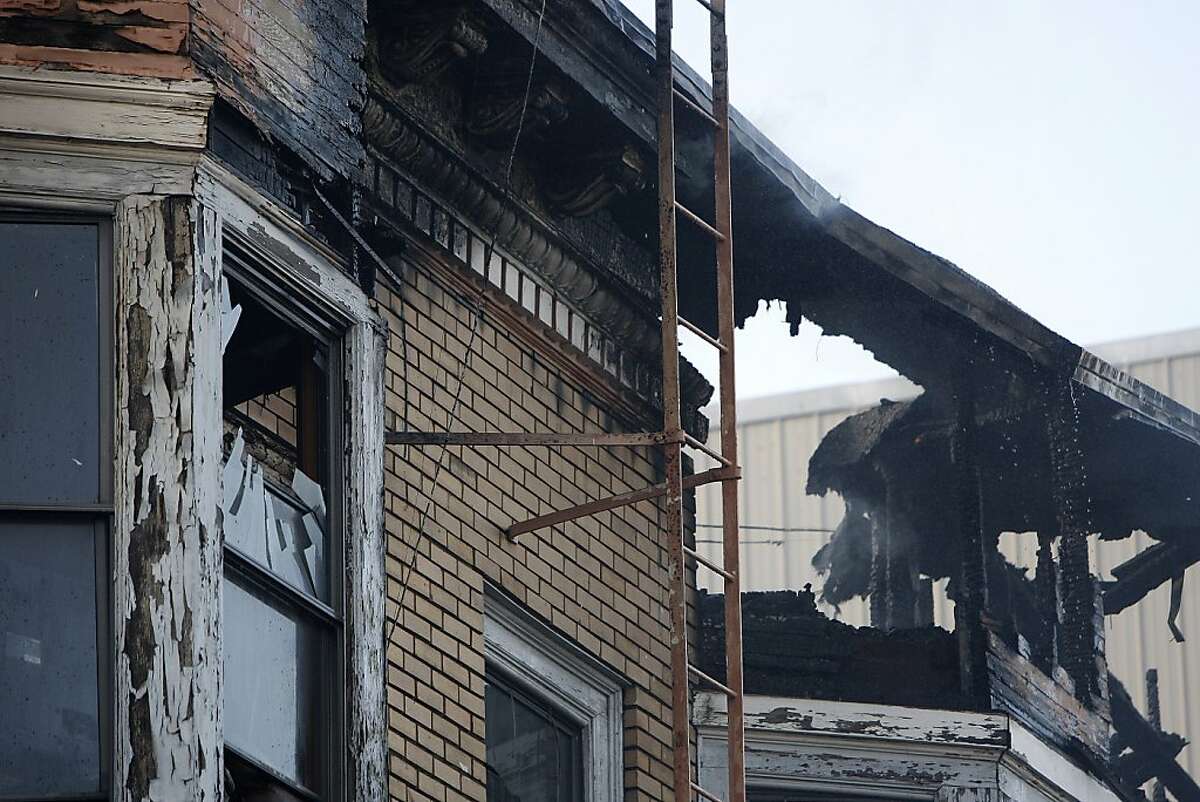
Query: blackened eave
(914,310)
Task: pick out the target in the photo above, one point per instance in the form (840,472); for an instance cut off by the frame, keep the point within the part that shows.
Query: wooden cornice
(517,229)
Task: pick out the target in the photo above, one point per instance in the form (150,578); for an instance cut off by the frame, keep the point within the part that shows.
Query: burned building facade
(247,243)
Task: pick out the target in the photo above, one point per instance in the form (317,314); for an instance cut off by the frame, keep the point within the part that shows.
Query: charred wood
(1153,751)
(971,578)
(791,649)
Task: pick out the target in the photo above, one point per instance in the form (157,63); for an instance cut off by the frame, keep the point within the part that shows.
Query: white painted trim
(167,553)
(551,666)
(102,108)
(274,233)
(857,720)
(302,268)
(1035,764)
(84,141)
(364,550)
(84,176)
(890,752)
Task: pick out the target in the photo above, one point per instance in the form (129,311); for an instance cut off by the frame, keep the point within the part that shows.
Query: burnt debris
(791,649)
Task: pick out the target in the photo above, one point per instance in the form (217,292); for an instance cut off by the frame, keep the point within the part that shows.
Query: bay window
(55,505)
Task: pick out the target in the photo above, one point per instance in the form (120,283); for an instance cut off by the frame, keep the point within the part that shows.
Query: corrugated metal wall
(778,434)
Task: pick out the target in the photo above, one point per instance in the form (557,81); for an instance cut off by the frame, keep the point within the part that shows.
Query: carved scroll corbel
(428,39)
(499,100)
(585,185)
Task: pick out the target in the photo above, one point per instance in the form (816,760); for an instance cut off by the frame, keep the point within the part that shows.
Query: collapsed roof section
(1139,476)
(914,310)
(1018,429)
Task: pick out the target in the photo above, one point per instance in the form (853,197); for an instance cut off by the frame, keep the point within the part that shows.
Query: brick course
(600,581)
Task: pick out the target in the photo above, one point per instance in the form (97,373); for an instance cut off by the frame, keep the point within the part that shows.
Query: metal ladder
(673,438)
(722,233)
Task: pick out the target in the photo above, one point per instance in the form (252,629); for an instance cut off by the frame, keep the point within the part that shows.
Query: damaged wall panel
(292,69)
(132,37)
(167,545)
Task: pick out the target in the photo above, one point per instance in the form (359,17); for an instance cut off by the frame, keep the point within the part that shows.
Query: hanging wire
(487,258)
(437,472)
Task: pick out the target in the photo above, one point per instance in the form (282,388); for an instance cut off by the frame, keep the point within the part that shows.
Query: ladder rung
(705,794)
(696,107)
(613,502)
(707,563)
(700,221)
(710,8)
(700,675)
(702,334)
(596,440)
(696,444)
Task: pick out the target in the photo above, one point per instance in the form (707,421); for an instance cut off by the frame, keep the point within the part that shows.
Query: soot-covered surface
(791,649)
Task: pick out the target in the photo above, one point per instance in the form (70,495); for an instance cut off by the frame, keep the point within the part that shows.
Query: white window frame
(305,268)
(576,684)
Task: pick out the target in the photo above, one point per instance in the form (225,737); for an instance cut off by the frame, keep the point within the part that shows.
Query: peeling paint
(167,606)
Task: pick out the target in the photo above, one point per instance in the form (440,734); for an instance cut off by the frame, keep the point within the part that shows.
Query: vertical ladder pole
(728,400)
(672,419)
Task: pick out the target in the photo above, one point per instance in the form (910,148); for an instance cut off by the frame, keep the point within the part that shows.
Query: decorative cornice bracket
(583,185)
(429,39)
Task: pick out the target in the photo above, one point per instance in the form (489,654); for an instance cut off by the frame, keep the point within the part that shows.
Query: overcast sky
(1050,148)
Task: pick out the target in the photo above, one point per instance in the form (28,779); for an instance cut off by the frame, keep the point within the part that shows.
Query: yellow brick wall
(601,581)
(274,412)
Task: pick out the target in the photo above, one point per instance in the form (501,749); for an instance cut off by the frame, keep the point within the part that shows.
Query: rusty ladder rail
(673,439)
(721,232)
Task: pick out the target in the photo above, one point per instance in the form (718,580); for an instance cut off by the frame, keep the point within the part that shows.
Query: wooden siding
(293,68)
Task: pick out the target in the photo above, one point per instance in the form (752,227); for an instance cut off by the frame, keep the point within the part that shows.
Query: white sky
(1051,149)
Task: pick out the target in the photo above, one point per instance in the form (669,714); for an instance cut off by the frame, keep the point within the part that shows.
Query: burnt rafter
(1152,751)
(420,41)
(581,184)
(505,96)
(1147,570)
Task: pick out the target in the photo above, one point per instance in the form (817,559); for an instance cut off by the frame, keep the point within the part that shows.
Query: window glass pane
(533,753)
(49,717)
(274,525)
(277,471)
(273,710)
(50,384)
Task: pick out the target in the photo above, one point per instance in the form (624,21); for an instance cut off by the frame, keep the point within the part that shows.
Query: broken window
(282,603)
(533,750)
(55,505)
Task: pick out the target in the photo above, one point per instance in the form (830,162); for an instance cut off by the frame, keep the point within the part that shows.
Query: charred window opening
(55,506)
(283,608)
